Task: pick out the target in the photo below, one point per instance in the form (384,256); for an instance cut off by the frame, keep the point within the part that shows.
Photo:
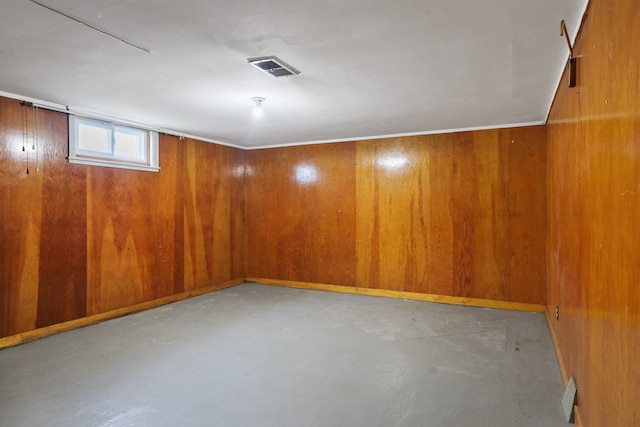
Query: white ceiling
(368,67)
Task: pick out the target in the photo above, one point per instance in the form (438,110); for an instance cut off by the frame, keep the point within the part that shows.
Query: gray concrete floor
(256,355)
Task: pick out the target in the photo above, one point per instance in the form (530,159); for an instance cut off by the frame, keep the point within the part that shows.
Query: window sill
(106,164)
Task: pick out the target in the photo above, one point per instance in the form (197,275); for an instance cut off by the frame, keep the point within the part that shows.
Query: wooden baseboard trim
(444,299)
(561,362)
(37,334)
(578,417)
(556,346)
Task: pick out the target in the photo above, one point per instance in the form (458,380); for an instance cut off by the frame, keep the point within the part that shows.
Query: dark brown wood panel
(79,240)
(593,231)
(62,275)
(524,172)
(237,212)
(213,174)
(171,166)
(301,214)
(20,221)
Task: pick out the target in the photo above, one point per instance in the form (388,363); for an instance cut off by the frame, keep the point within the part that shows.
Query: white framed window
(99,143)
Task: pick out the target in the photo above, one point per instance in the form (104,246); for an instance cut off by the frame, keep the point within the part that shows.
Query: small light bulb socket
(257,110)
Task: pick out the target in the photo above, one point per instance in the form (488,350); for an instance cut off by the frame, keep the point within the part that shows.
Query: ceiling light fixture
(257,110)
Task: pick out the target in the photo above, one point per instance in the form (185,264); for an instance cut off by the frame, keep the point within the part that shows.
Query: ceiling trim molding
(96,115)
(106,117)
(401,135)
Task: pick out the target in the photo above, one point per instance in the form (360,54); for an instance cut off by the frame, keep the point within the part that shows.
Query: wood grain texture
(62,274)
(208,182)
(300,213)
(457,214)
(498,210)
(20,222)
(78,241)
(131,224)
(404,243)
(593,193)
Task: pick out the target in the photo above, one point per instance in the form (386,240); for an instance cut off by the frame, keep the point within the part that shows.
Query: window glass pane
(99,143)
(93,138)
(129,144)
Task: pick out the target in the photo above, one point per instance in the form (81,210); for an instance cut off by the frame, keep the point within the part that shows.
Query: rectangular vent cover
(274,66)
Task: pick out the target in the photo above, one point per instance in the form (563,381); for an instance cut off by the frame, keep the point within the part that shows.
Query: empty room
(330,213)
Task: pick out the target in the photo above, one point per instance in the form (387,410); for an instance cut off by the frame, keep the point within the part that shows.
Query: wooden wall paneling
(610,113)
(499,214)
(132,225)
(404,228)
(440,202)
(300,213)
(368,241)
(63,249)
(594,232)
(167,253)
(523,153)
(266,183)
(474,270)
(20,221)
(457,214)
(172,163)
(462,198)
(565,217)
(191,259)
(237,213)
(78,241)
(210,177)
(223,238)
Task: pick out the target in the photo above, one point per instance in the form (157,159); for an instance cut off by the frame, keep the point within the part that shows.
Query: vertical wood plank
(213,180)
(237,213)
(301,213)
(20,221)
(172,163)
(441,231)
(464,199)
(524,172)
(404,230)
(63,250)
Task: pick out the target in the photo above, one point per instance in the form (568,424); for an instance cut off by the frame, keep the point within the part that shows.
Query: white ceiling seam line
(79,21)
(82,112)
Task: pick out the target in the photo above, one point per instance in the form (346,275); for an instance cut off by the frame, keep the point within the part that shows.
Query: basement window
(99,143)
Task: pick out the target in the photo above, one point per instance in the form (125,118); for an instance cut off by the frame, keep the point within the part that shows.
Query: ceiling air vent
(274,66)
